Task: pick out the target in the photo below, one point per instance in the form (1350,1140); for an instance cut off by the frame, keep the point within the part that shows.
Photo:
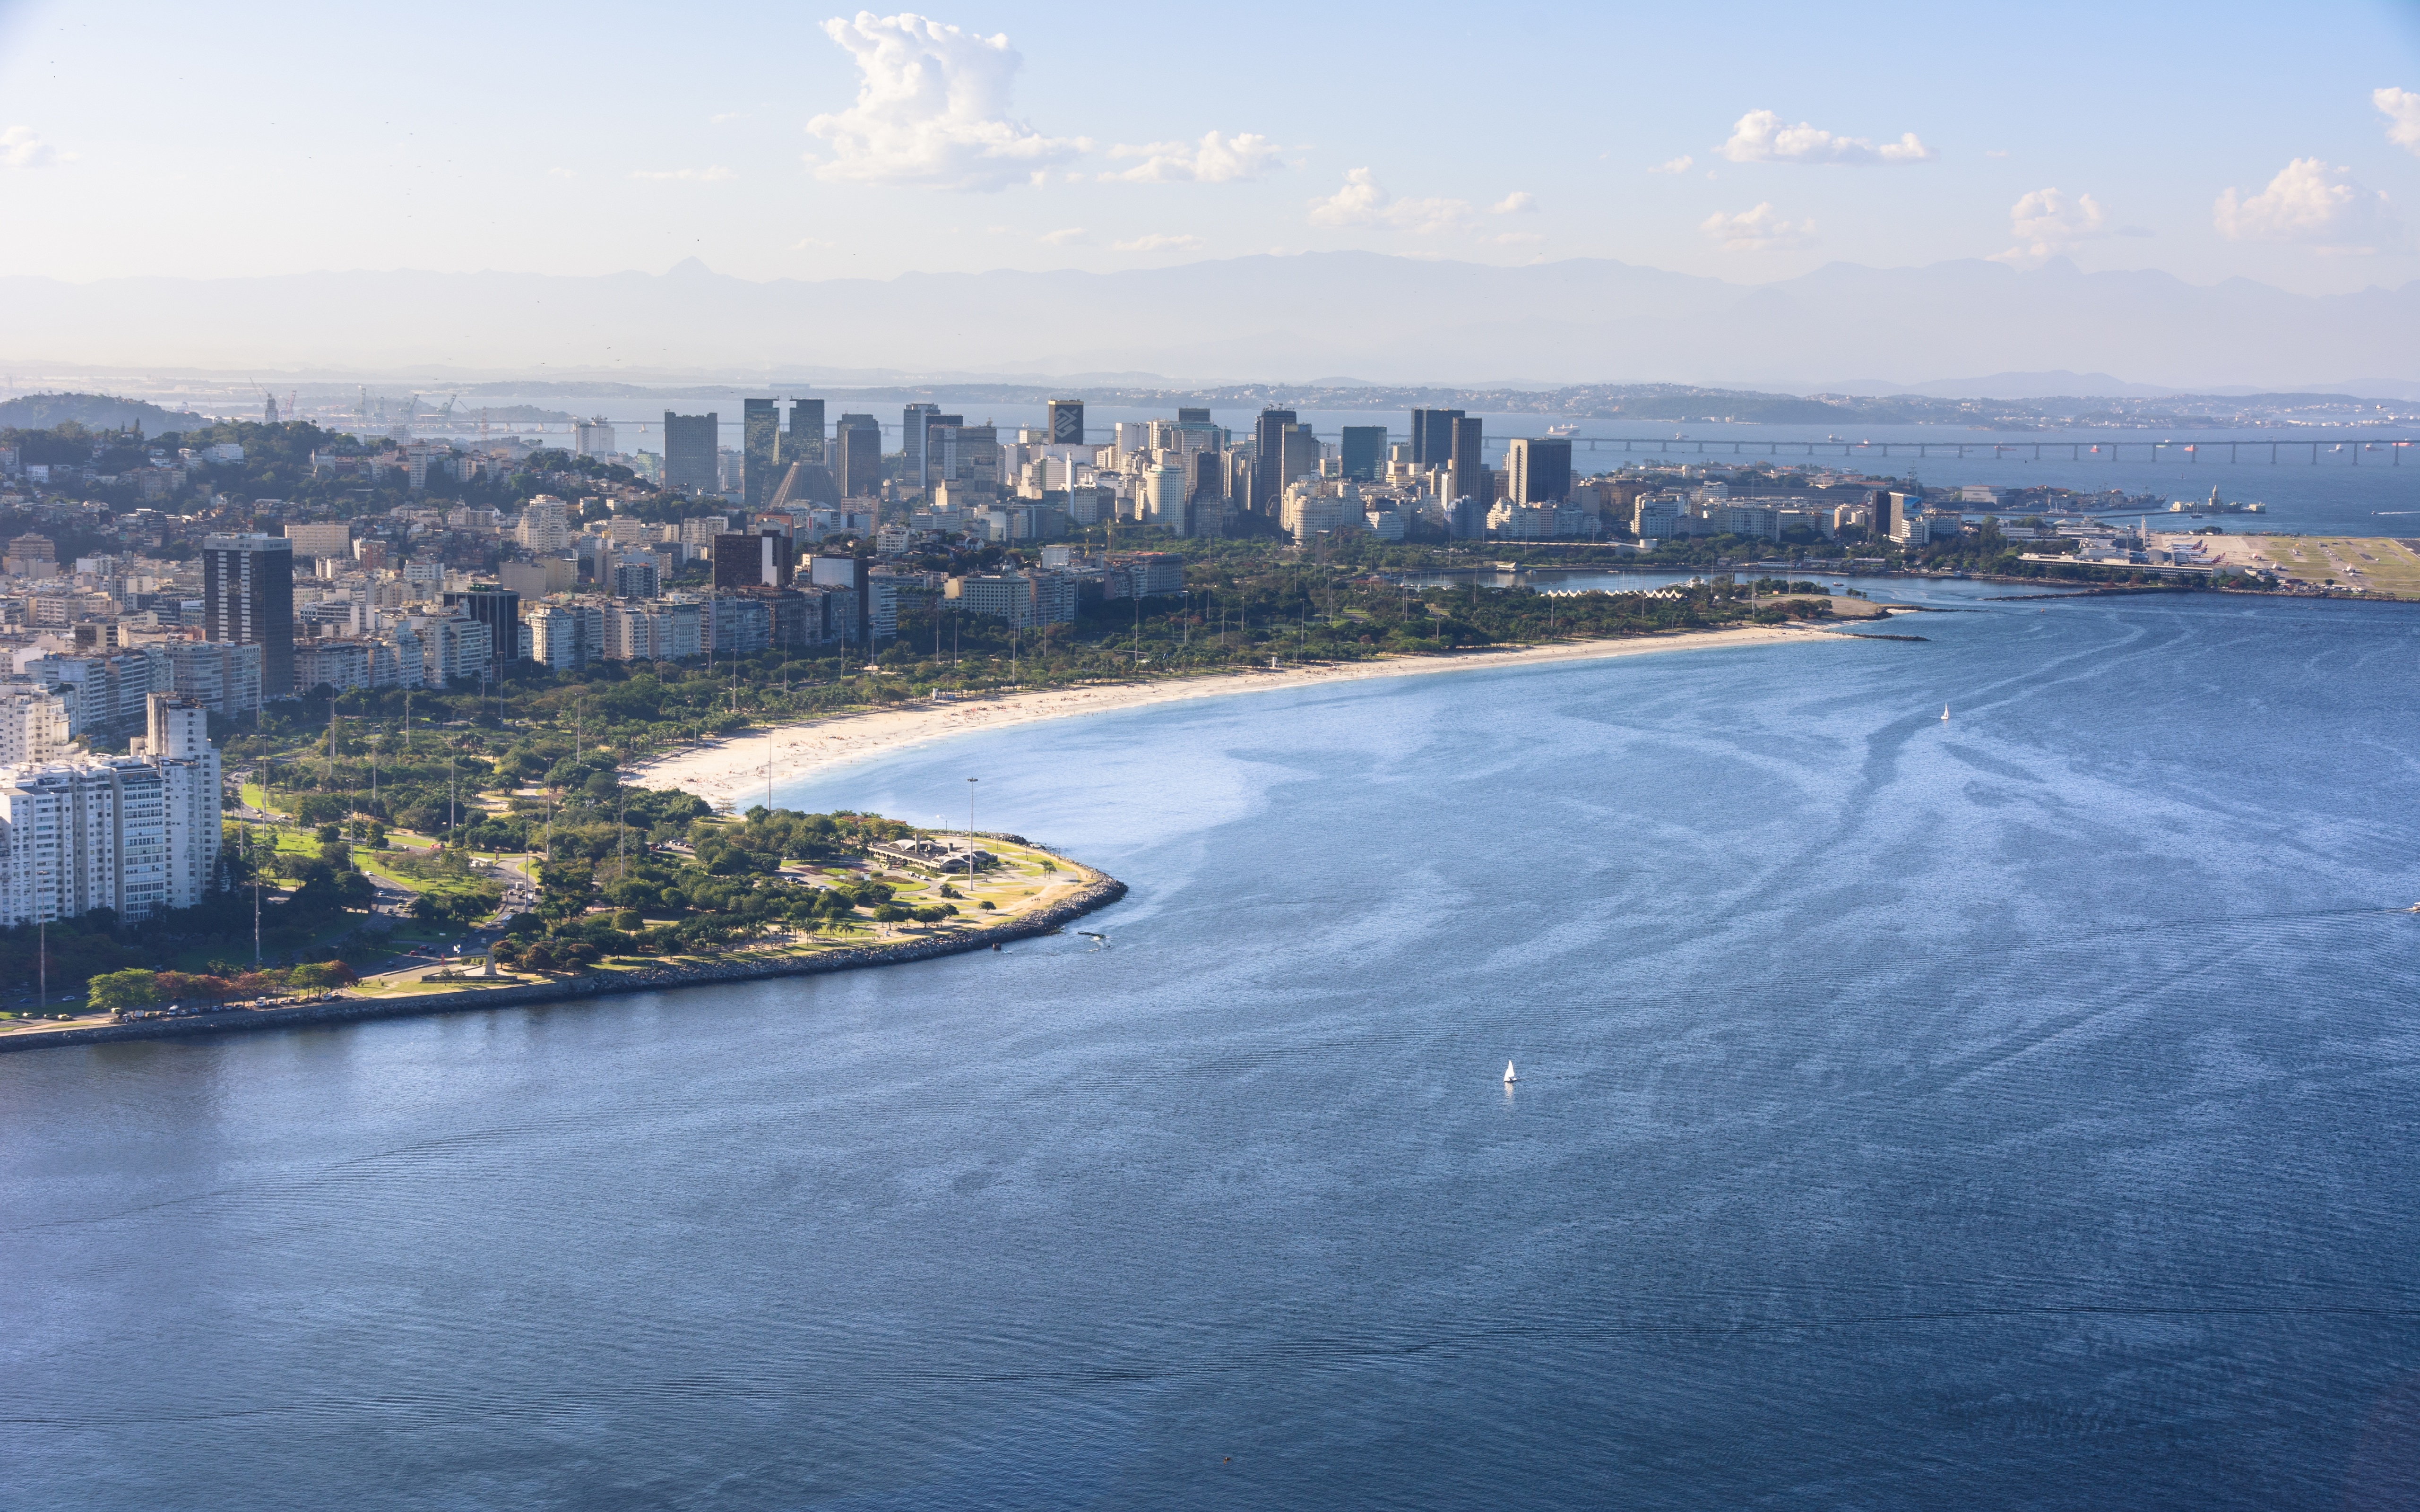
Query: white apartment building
(139,834)
(661,631)
(33,724)
(1026,599)
(544,525)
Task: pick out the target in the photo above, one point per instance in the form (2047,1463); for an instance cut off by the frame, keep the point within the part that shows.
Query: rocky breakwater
(345,1009)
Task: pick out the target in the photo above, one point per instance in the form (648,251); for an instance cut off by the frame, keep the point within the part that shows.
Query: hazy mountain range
(1383,320)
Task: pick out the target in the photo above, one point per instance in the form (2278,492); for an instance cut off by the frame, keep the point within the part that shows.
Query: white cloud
(726,116)
(932,109)
(21,146)
(1519,202)
(1758,230)
(1363,202)
(1065,235)
(1520,239)
(1157,242)
(1760,137)
(1680,164)
(2308,201)
(2046,224)
(2402,110)
(694,176)
(1214,159)
(810,244)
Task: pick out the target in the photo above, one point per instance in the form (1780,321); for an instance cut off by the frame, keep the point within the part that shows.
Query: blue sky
(1747,141)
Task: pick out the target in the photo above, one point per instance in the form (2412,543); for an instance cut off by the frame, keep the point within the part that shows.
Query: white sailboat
(1945,713)
(1510,1075)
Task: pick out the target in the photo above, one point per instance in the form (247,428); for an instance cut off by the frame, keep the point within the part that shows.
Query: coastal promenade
(1098,891)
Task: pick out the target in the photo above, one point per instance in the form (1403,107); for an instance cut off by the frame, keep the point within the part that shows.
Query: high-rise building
(635,580)
(1538,469)
(912,420)
(1269,477)
(804,441)
(1193,417)
(137,834)
(959,453)
(33,724)
(1433,437)
(760,445)
(593,437)
(858,466)
(1473,493)
(1365,451)
(1066,422)
(747,560)
(1301,454)
(498,612)
(692,443)
(248,600)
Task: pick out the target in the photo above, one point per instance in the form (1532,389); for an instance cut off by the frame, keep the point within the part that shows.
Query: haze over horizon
(1014,186)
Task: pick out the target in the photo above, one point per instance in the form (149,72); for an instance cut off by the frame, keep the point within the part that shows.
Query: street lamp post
(970,833)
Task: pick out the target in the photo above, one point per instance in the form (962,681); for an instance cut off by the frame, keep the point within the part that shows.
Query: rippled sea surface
(2014,1111)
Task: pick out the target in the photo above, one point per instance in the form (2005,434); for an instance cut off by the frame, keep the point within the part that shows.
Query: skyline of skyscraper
(1473,491)
(248,600)
(1066,422)
(857,467)
(692,444)
(1268,450)
(1538,469)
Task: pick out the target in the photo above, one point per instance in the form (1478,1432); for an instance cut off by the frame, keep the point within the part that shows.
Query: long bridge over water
(2271,452)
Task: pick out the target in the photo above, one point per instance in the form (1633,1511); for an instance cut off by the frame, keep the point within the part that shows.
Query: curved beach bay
(2015,1108)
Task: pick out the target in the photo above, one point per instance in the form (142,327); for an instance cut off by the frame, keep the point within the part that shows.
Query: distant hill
(1385,320)
(95,411)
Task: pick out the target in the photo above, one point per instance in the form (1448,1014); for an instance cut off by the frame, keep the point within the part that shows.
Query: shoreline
(730,771)
(1098,892)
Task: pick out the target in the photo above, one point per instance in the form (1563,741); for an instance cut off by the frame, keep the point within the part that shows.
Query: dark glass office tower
(1365,451)
(248,600)
(1302,456)
(500,610)
(1268,470)
(805,442)
(760,462)
(691,442)
(1433,437)
(858,466)
(1539,469)
(1066,422)
(1473,493)
(914,421)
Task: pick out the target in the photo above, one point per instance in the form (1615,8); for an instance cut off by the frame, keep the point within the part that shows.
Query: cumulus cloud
(1362,201)
(2402,110)
(1157,242)
(932,109)
(694,176)
(2308,201)
(1065,235)
(1680,164)
(1214,159)
(1760,137)
(2046,223)
(1519,202)
(1758,230)
(22,146)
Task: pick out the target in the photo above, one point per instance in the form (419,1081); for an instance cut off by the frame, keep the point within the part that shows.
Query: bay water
(2015,1110)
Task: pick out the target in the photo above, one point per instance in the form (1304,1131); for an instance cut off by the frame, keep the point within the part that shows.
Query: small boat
(1510,1075)
(1945,713)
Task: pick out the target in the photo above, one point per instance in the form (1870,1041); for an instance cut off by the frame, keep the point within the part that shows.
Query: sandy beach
(731,773)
